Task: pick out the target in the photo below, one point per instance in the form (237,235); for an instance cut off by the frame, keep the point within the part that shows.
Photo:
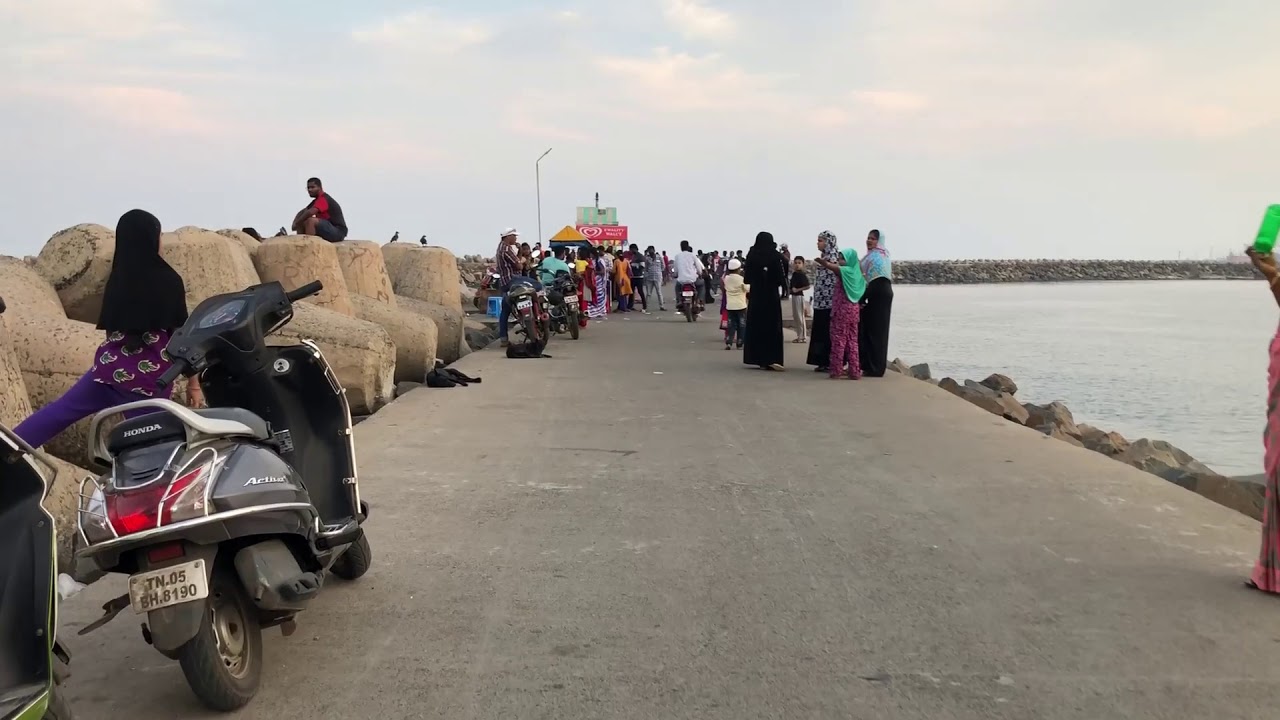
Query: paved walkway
(583,537)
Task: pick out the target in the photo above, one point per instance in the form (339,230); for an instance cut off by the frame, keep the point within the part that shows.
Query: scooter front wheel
(223,662)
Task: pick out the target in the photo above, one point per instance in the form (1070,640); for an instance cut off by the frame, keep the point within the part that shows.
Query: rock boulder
(365,271)
(429,274)
(295,260)
(1110,444)
(1161,458)
(921,372)
(1001,383)
(414,335)
(1051,417)
(362,355)
(899,366)
(76,263)
(996,403)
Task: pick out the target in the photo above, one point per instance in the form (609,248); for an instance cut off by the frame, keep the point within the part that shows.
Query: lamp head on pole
(548,152)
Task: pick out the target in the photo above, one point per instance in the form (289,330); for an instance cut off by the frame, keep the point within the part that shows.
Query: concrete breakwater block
(365,270)
(295,260)
(76,262)
(63,503)
(429,274)
(210,264)
(414,335)
(361,353)
(245,240)
(450,331)
(15,403)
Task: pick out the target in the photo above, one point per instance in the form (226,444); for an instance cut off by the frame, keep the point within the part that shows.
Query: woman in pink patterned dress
(1266,573)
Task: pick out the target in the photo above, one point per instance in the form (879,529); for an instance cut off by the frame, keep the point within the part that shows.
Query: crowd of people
(851,306)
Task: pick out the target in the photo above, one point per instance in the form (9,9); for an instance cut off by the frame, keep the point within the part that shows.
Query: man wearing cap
(508,267)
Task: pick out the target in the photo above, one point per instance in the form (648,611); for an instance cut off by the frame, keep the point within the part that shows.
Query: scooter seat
(245,417)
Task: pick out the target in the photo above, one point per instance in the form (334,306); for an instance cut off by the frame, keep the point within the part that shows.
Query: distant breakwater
(976,272)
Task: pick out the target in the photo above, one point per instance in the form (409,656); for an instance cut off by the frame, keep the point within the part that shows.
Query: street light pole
(537,179)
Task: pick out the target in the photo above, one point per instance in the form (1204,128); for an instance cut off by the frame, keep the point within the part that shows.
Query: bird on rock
(396,236)
(422,241)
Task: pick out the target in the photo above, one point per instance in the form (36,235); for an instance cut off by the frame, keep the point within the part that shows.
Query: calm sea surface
(1183,361)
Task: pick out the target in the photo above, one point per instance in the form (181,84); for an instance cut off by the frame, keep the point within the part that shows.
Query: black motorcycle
(229,519)
(563,308)
(529,316)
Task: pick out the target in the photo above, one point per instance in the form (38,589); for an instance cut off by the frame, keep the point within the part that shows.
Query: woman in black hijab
(144,301)
(765,276)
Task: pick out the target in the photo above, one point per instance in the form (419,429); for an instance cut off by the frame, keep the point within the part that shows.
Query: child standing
(735,304)
(799,284)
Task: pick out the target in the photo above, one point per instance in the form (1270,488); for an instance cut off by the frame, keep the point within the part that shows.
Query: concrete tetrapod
(429,274)
(77,262)
(52,351)
(414,335)
(210,264)
(295,260)
(450,331)
(365,271)
(361,353)
(15,404)
(247,241)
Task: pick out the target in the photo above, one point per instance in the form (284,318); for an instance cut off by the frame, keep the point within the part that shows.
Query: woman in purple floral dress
(143,303)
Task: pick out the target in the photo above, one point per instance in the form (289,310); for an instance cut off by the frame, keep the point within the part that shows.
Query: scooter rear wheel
(355,561)
(223,662)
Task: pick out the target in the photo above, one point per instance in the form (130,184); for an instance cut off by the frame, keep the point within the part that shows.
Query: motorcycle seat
(245,417)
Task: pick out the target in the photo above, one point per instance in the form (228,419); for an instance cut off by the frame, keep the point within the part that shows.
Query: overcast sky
(961,128)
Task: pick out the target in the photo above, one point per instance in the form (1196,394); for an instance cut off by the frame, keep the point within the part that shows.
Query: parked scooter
(32,661)
(688,301)
(563,305)
(229,519)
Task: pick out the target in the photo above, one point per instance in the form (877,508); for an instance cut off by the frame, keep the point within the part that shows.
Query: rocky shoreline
(996,394)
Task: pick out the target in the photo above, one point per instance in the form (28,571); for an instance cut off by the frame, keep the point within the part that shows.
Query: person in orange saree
(1266,572)
(622,280)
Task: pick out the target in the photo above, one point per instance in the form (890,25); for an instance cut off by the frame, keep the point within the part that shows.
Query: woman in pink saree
(1266,573)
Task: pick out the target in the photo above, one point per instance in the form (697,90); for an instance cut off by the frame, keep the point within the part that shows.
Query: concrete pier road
(642,528)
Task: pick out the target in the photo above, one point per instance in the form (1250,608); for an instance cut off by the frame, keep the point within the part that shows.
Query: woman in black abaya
(877,306)
(765,276)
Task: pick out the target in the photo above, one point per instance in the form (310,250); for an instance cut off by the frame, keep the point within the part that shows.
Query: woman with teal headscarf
(877,304)
(846,313)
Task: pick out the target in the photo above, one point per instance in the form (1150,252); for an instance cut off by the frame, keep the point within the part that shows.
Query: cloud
(695,19)
(141,108)
(667,81)
(425,31)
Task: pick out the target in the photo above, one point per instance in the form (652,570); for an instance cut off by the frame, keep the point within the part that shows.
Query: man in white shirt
(687,265)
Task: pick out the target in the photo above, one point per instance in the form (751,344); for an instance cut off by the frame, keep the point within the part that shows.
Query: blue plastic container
(495,306)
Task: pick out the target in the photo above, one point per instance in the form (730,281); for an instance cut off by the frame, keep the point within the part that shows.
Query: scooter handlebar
(171,374)
(305,291)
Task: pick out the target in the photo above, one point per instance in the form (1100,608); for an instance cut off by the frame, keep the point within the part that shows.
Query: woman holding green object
(845,313)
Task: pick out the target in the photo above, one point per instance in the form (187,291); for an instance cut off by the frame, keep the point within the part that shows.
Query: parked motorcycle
(529,316)
(563,305)
(230,519)
(34,663)
(688,301)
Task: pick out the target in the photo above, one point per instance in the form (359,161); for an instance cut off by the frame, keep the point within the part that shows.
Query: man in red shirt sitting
(322,217)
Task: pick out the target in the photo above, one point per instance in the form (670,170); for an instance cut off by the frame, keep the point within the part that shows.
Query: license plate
(687,293)
(571,300)
(173,585)
(524,304)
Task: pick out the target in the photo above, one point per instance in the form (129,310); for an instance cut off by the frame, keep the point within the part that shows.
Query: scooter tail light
(158,504)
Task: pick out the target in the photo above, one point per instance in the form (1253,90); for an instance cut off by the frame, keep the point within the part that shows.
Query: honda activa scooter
(32,661)
(227,519)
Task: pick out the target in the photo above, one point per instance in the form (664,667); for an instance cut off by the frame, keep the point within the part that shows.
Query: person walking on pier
(653,278)
(798,283)
(763,346)
(1266,572)
(144,302)
(877,305)
(824,288)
